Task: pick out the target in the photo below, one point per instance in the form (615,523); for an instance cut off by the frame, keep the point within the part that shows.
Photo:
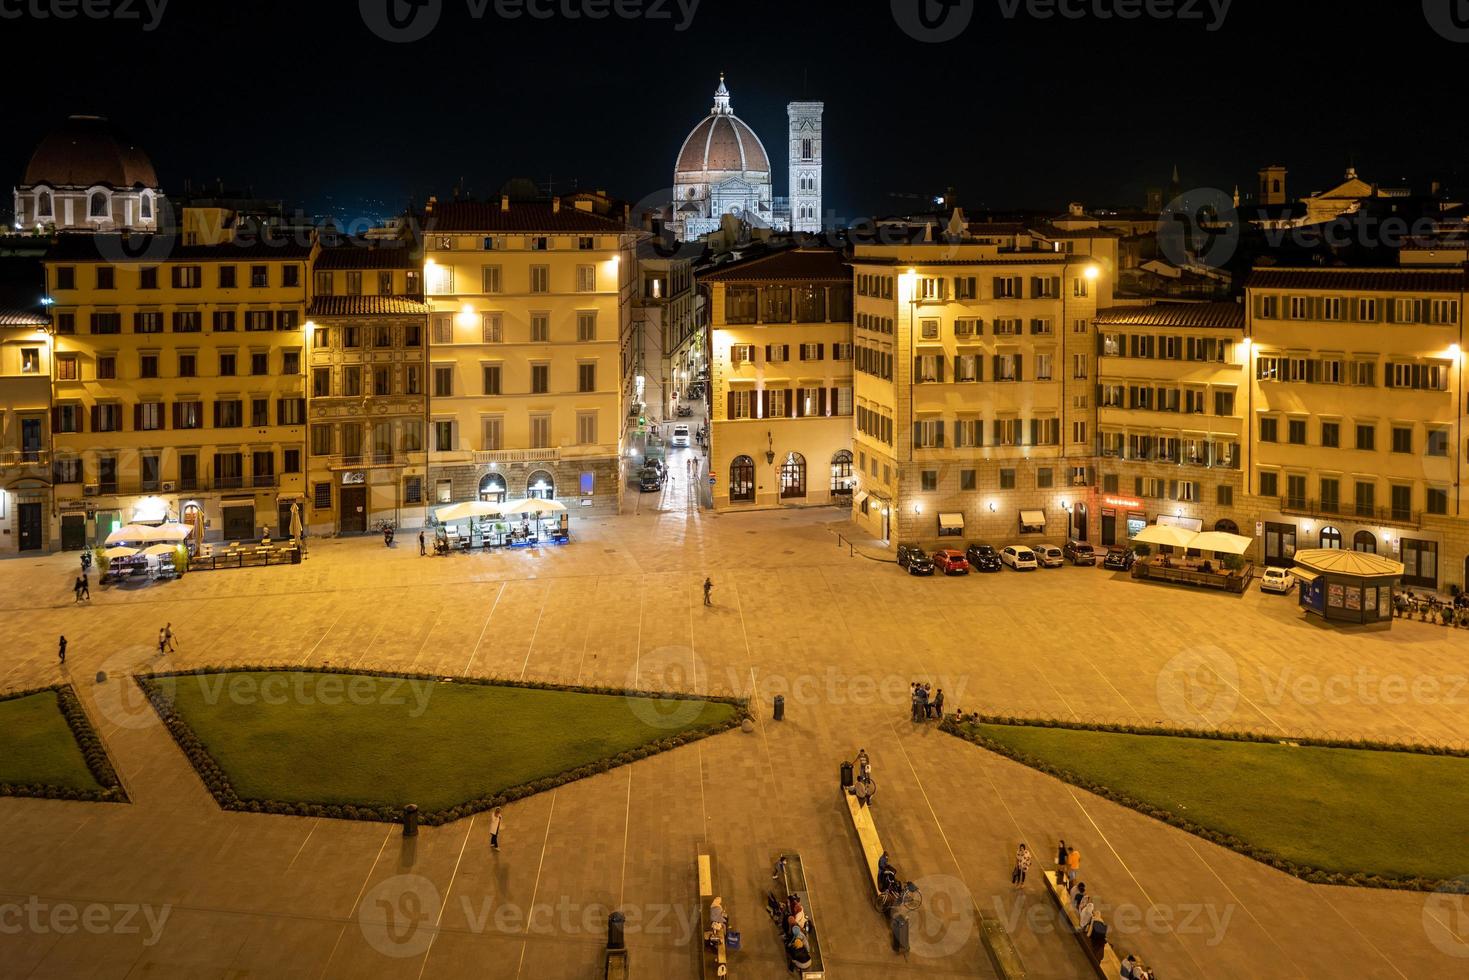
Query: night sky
(303,102)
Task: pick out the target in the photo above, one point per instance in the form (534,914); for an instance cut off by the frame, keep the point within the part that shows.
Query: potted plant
(99,555)
(1142,549)
(1446,613)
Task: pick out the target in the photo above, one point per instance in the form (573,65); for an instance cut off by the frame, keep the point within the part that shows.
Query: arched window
(1331,537)
(540,485)
(841,473)
(742,479)
(146,208)
(43,204)
(98,208)
(1365,541)
(492,488)
(793,477)
(1226,525)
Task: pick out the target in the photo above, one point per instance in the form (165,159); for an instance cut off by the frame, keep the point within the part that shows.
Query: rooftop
(367,306)
(1224,315)
(791,265)
(518,216)
(359,254)
(154,249)
(1357,279)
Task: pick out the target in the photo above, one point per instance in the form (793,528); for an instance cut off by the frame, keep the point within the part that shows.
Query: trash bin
(900,933)
(410,820)
(615,923)
(780,707)
(846,775)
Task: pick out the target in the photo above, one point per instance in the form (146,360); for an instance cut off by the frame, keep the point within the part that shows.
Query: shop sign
(1124,503)
(354,477)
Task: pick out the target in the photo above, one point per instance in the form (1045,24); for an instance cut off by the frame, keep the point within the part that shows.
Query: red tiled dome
(722,142)
(88,150)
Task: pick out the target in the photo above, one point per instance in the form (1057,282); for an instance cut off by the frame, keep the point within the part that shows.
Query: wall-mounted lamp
(992,506)
(769,449)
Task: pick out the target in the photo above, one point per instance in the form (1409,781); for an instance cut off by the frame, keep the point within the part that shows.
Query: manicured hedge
(218,784)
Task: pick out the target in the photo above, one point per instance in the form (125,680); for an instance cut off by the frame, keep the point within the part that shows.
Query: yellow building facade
(25,423)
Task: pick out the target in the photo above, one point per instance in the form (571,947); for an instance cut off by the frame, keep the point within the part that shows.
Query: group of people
(82,588)
(1068,872)
(795,927)
(927,703)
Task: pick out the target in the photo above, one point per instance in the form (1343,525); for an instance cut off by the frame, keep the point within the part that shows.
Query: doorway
(73,532)
(239,523)
(353,509)
(1280,544)
(28,517)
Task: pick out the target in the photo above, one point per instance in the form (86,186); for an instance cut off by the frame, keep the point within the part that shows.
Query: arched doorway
(1365,541)
(841,473)
(1226,525)
(492,488)
(540,485)
(1331,537)
(793,477)
(742,480)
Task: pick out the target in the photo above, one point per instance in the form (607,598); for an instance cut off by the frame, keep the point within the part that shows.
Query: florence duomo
(1035,547)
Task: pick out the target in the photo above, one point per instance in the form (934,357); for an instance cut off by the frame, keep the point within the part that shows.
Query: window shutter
(729,405)
(1392,311)
(1035,285)
(767,353)
(939,363)
(938,433)
(55,419)
(1137,486)
(138,417)
(917,367)
(764,404)
(996,366)
(1019,367)
(800,411)
(821,402)
(1055,285)
(917,434)
(821,352)
(96,418)
(999,290)
(216,416)
(1172,489)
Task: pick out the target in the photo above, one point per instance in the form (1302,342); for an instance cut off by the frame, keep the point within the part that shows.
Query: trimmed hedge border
(216,781)
(1316,876)
(90,744)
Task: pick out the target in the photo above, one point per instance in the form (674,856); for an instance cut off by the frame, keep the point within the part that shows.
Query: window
(492,279)
(66,277)
(1295,430)
(259,412)
(1366,436)
(444,436)
(228,413)
(1224,495)
(492,433)
(1436,500)
(410,380)
(105,323)
(290,411)
(540,431)
(967,479)
(443,380)
(148,365)
(259,276)
(493,379)
(321,440)
(323,282)
(540,379)
(1078,364)
(586,278)
(354,282)
(1402,439)
(1436,443)
(1269,484)
(1362,374)
(1366,498)
(1331,435)
(1295,490)
(586,243)
(412,335)
(226,365)
(1401,496)
(1043,367)
(67,367)
(259,320)
(259,363)
(351,338)
(226,277)
(1269,429)
(929,480)
(66,323)
(291,362)
(1422,377)
(1224,402)
(188,415)
(586,428)
(586,377)
(586,327)
(491,327)
(1044,478)
(1007,479)
(540,278)
(290,276)
(929,329)
(540,328)
(321,382)
(148,416)
(224,321)
(928,434)
(186,276)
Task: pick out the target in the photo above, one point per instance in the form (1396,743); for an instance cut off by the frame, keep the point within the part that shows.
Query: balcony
(1327,510)
(518,456)
(363,461)
(24,457)
(263,480)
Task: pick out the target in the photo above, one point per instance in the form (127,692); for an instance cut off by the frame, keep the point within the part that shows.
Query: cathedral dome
(87,151)
(721,142)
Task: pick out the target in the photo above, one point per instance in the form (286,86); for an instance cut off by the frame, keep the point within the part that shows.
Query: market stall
(1346,586)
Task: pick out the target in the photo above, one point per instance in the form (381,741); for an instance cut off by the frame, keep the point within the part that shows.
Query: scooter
(86,560)
(387,530)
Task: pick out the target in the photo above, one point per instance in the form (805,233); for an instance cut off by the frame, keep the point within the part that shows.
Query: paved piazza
(171,886)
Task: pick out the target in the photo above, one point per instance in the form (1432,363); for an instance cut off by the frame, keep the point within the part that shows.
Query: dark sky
(301,100)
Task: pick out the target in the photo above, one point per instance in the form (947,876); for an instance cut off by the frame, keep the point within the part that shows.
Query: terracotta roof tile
(1357,279)
(370,255)
(1229,316)
(793,265)
(22,318)
(476,216)
(367,306)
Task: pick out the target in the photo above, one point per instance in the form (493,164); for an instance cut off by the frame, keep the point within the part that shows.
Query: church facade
(723,168)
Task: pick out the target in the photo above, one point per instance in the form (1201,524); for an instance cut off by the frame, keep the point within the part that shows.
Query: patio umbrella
(172,531)
(534,506)
(296,521)
(132,532)
(119,552)
(471,508)
(1166,534)
(160,549)
(1222,542)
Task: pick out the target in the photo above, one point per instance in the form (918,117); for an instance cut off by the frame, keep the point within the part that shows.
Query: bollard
(900,932)
(410,820)
(780,707)
(614,930)
(846,775)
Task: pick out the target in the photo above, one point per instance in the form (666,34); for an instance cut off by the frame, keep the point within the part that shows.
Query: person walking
(61,650)
(86,587)
(495,819)
(1023,859)
(168,636)
(1060,862)
(938,704)
(76,589)
(708,588)
(162,642)
(422,545)
(1073,864)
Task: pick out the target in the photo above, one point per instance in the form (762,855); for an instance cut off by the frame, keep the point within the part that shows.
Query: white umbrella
(1165,534)
(112,553)
(172,531)
(471,508)
(1222,542)
(131,532)
(296,521)
(160,549)
(534,506)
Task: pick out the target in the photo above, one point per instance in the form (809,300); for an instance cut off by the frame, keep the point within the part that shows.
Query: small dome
(722,142)
(88,150)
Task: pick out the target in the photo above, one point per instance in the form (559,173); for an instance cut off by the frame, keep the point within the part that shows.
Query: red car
(951,562)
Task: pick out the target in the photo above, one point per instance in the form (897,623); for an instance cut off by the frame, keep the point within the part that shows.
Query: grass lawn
(37,745)
(295,737)
(1338,810)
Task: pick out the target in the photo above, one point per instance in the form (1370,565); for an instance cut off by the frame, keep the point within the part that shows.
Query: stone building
(86,176)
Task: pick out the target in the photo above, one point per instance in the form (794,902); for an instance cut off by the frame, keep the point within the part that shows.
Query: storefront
(1346,586)
(1420,563)
(1121,519)
(1280,543)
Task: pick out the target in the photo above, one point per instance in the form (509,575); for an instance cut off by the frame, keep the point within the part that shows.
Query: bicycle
(907,895)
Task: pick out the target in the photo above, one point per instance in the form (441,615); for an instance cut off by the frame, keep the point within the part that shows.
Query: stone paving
(795,613)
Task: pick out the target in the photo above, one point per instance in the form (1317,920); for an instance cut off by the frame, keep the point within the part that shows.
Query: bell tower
(805,165)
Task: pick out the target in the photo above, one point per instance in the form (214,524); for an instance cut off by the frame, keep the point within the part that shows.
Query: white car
(1019,557)
(680,435)
(1049,556)
(1277,580)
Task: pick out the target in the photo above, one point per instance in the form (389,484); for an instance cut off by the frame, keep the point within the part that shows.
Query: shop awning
(1305,574)
(951,522)
(1033,518)
(861,496)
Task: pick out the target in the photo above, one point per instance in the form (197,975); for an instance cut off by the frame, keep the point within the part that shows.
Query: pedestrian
(708,588)
(61,651)
(923,704)
(1060,861)
(938,704)
(422,545)
(86,587)
(76,589)
(917,702)
(1073,863)
(1023,859)
(495,817)
(168,636)
(162,642)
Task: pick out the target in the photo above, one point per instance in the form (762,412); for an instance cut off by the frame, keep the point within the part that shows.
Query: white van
(680,436)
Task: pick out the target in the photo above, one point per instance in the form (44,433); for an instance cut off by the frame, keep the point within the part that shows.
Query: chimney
(555,205)
(504,202)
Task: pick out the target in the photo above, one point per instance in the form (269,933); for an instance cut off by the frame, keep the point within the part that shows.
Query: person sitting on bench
(718,920)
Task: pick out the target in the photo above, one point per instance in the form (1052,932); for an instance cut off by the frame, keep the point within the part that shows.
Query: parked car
(906,553)
(1277,580)
(1019,557)
(1049,556)
(657,464)
(684,411)
(1119,558)
(950,561)
(920,564)
(983,557)
(650,478)
(680,436)
(1079,553)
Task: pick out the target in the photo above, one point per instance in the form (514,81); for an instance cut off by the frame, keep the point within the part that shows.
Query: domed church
(87,176)
(723,169)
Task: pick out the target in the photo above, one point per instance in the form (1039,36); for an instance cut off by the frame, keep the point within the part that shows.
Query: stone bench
(713,960)
(1108,966)
(791,875)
